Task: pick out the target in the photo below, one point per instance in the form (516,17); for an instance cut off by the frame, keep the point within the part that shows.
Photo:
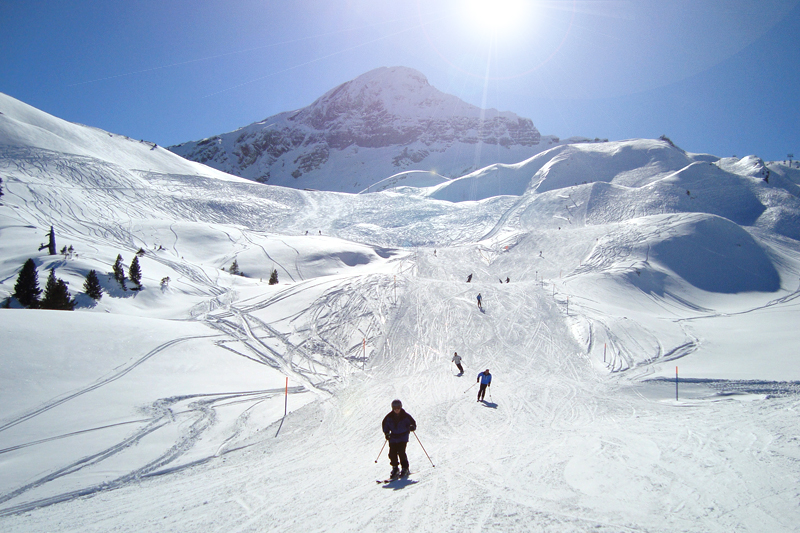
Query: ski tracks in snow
(193,416)
(558,448)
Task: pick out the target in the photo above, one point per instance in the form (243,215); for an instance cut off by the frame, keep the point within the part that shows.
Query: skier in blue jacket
(485,379)
(397,426)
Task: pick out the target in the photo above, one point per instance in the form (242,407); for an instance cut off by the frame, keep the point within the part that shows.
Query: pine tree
(273,278)
(1,187)
(119,272)
(92,286)
(27,290)
(134,272)
(56,294)
(235,269)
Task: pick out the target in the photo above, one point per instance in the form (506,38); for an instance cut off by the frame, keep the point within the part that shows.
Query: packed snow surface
(604,269)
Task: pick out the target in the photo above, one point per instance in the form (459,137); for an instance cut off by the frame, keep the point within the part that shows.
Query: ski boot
(405,472)
(395,473)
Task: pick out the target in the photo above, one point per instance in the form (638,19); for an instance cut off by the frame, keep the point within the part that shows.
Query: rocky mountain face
(383,123)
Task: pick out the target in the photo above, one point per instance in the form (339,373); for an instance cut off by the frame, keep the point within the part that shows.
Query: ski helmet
(397,403)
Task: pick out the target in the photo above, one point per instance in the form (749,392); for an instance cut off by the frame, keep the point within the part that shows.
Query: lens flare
(496,39)
(495,15)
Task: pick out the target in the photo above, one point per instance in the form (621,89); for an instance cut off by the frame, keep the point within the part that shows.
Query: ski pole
(466,391)
(423,449)
(380,452)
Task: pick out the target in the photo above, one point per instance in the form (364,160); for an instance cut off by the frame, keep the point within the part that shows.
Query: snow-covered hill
(25,126)
(602,267)
(385,122)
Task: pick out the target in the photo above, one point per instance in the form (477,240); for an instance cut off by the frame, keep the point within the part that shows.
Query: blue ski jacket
(484,378)
(398,426)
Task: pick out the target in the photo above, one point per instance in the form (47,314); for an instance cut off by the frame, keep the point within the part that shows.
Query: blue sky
(715,76)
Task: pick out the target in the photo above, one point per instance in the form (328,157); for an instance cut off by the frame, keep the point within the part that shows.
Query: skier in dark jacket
(396,426)
(485,379)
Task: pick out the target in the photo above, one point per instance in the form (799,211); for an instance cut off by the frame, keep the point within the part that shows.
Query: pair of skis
(405,481)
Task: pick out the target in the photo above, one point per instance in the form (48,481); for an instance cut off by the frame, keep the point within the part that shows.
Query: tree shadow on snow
(83,301)
(112,287)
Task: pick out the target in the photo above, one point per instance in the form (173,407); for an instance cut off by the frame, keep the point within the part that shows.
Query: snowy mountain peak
(397,91)
(384,122)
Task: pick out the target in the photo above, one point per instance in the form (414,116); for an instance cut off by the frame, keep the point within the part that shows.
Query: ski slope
(163,409)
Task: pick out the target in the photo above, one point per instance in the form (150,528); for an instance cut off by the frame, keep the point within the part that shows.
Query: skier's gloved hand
(386,435)
(412,428)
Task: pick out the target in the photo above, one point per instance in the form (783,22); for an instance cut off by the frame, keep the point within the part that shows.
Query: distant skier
(457,360)
(508,280)
(396,427)
(480,306)
(485,379)
(469,278)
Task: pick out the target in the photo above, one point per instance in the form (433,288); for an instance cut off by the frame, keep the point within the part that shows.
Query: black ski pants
(460,368)
(397,450)
(482,391)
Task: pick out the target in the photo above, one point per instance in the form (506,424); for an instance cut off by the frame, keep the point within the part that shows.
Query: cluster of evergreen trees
(56,293)
(134,271)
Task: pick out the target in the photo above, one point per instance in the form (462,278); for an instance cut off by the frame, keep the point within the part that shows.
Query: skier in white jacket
(457,360)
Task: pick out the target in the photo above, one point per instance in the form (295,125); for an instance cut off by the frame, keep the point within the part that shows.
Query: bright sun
(495,15)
